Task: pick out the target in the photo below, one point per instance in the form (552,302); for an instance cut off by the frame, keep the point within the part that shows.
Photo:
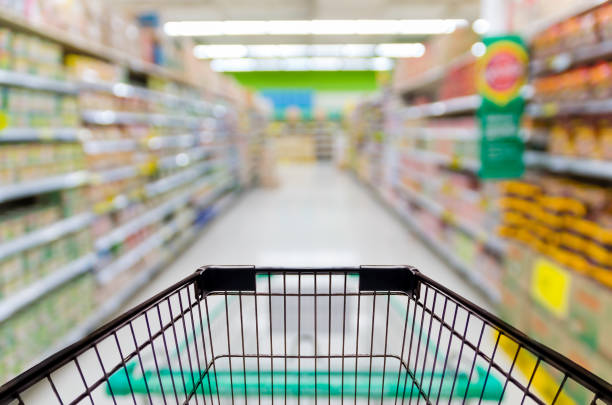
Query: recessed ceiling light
(313,27)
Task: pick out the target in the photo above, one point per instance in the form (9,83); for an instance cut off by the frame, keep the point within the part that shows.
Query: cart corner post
(224,278)
(390,278)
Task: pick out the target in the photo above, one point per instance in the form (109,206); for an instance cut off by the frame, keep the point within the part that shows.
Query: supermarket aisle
(318,216)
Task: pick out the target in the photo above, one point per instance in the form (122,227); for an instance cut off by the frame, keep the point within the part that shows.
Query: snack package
(605,138)
(560,142)
(585,139)
(603,17)
(601,80)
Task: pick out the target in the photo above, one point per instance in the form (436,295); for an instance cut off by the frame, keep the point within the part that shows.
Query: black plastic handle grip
(371,278)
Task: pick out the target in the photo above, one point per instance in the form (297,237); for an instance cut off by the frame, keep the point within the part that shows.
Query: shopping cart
(239,335)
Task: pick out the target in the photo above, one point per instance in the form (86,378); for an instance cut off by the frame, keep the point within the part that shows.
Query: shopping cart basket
(239,335)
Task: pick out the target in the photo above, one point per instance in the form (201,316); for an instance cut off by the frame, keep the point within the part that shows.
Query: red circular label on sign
(503,71)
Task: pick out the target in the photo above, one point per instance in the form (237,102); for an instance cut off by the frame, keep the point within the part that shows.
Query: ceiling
(178,10)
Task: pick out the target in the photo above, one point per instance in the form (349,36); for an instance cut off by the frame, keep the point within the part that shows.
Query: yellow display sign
(550,286)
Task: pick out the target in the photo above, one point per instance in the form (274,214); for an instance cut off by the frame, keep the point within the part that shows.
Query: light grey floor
(318,216)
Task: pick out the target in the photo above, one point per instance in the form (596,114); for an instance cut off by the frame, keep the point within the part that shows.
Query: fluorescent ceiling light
(382,64)
(405,50)
(234,65)
(220,51)
(481,26)
(301,64)
(478,49)
(401,50)
(313,27)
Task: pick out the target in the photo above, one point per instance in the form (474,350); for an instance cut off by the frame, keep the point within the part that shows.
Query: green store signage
(501,74)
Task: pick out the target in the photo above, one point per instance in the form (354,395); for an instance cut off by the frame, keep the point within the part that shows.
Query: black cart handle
(371,278)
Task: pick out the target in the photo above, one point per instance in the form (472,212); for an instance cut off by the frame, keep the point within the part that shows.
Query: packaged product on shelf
(585,139)
(85,68)
(561,142)
(601,80)
(603,16)
(34,329)
(5,48)
(605,138)
(579,31)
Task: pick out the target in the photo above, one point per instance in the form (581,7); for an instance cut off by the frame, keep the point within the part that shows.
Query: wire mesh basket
(240,335)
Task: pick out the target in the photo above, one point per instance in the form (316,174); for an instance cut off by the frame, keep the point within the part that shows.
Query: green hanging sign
(501,74)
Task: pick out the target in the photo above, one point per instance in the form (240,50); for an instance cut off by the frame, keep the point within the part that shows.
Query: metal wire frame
(218,337)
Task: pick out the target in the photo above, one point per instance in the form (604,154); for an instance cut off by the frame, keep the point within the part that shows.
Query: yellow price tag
(550,286)
(447,188)
(4,120)
(102,207)
(148,168)
(550,109)
(448,217)
(455,162)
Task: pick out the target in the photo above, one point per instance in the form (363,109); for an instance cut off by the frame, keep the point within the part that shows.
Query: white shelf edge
(14,303)
(128,260)
(111,117)
(444,107)
(471,230)
(437,158)
(36,82)
(116,174)
(125,90)
(27,134)
(45,235)
(109,146)
(25,189)
(562,164)
(114,304)
(168,183)
(444,253)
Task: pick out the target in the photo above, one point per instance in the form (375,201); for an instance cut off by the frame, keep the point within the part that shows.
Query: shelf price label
(501,74)
(4,120)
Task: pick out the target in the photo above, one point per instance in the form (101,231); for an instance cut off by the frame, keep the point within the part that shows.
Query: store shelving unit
(184,171)
(428,154)
(186,235)
(449,217)
(41,186)
(39,288)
